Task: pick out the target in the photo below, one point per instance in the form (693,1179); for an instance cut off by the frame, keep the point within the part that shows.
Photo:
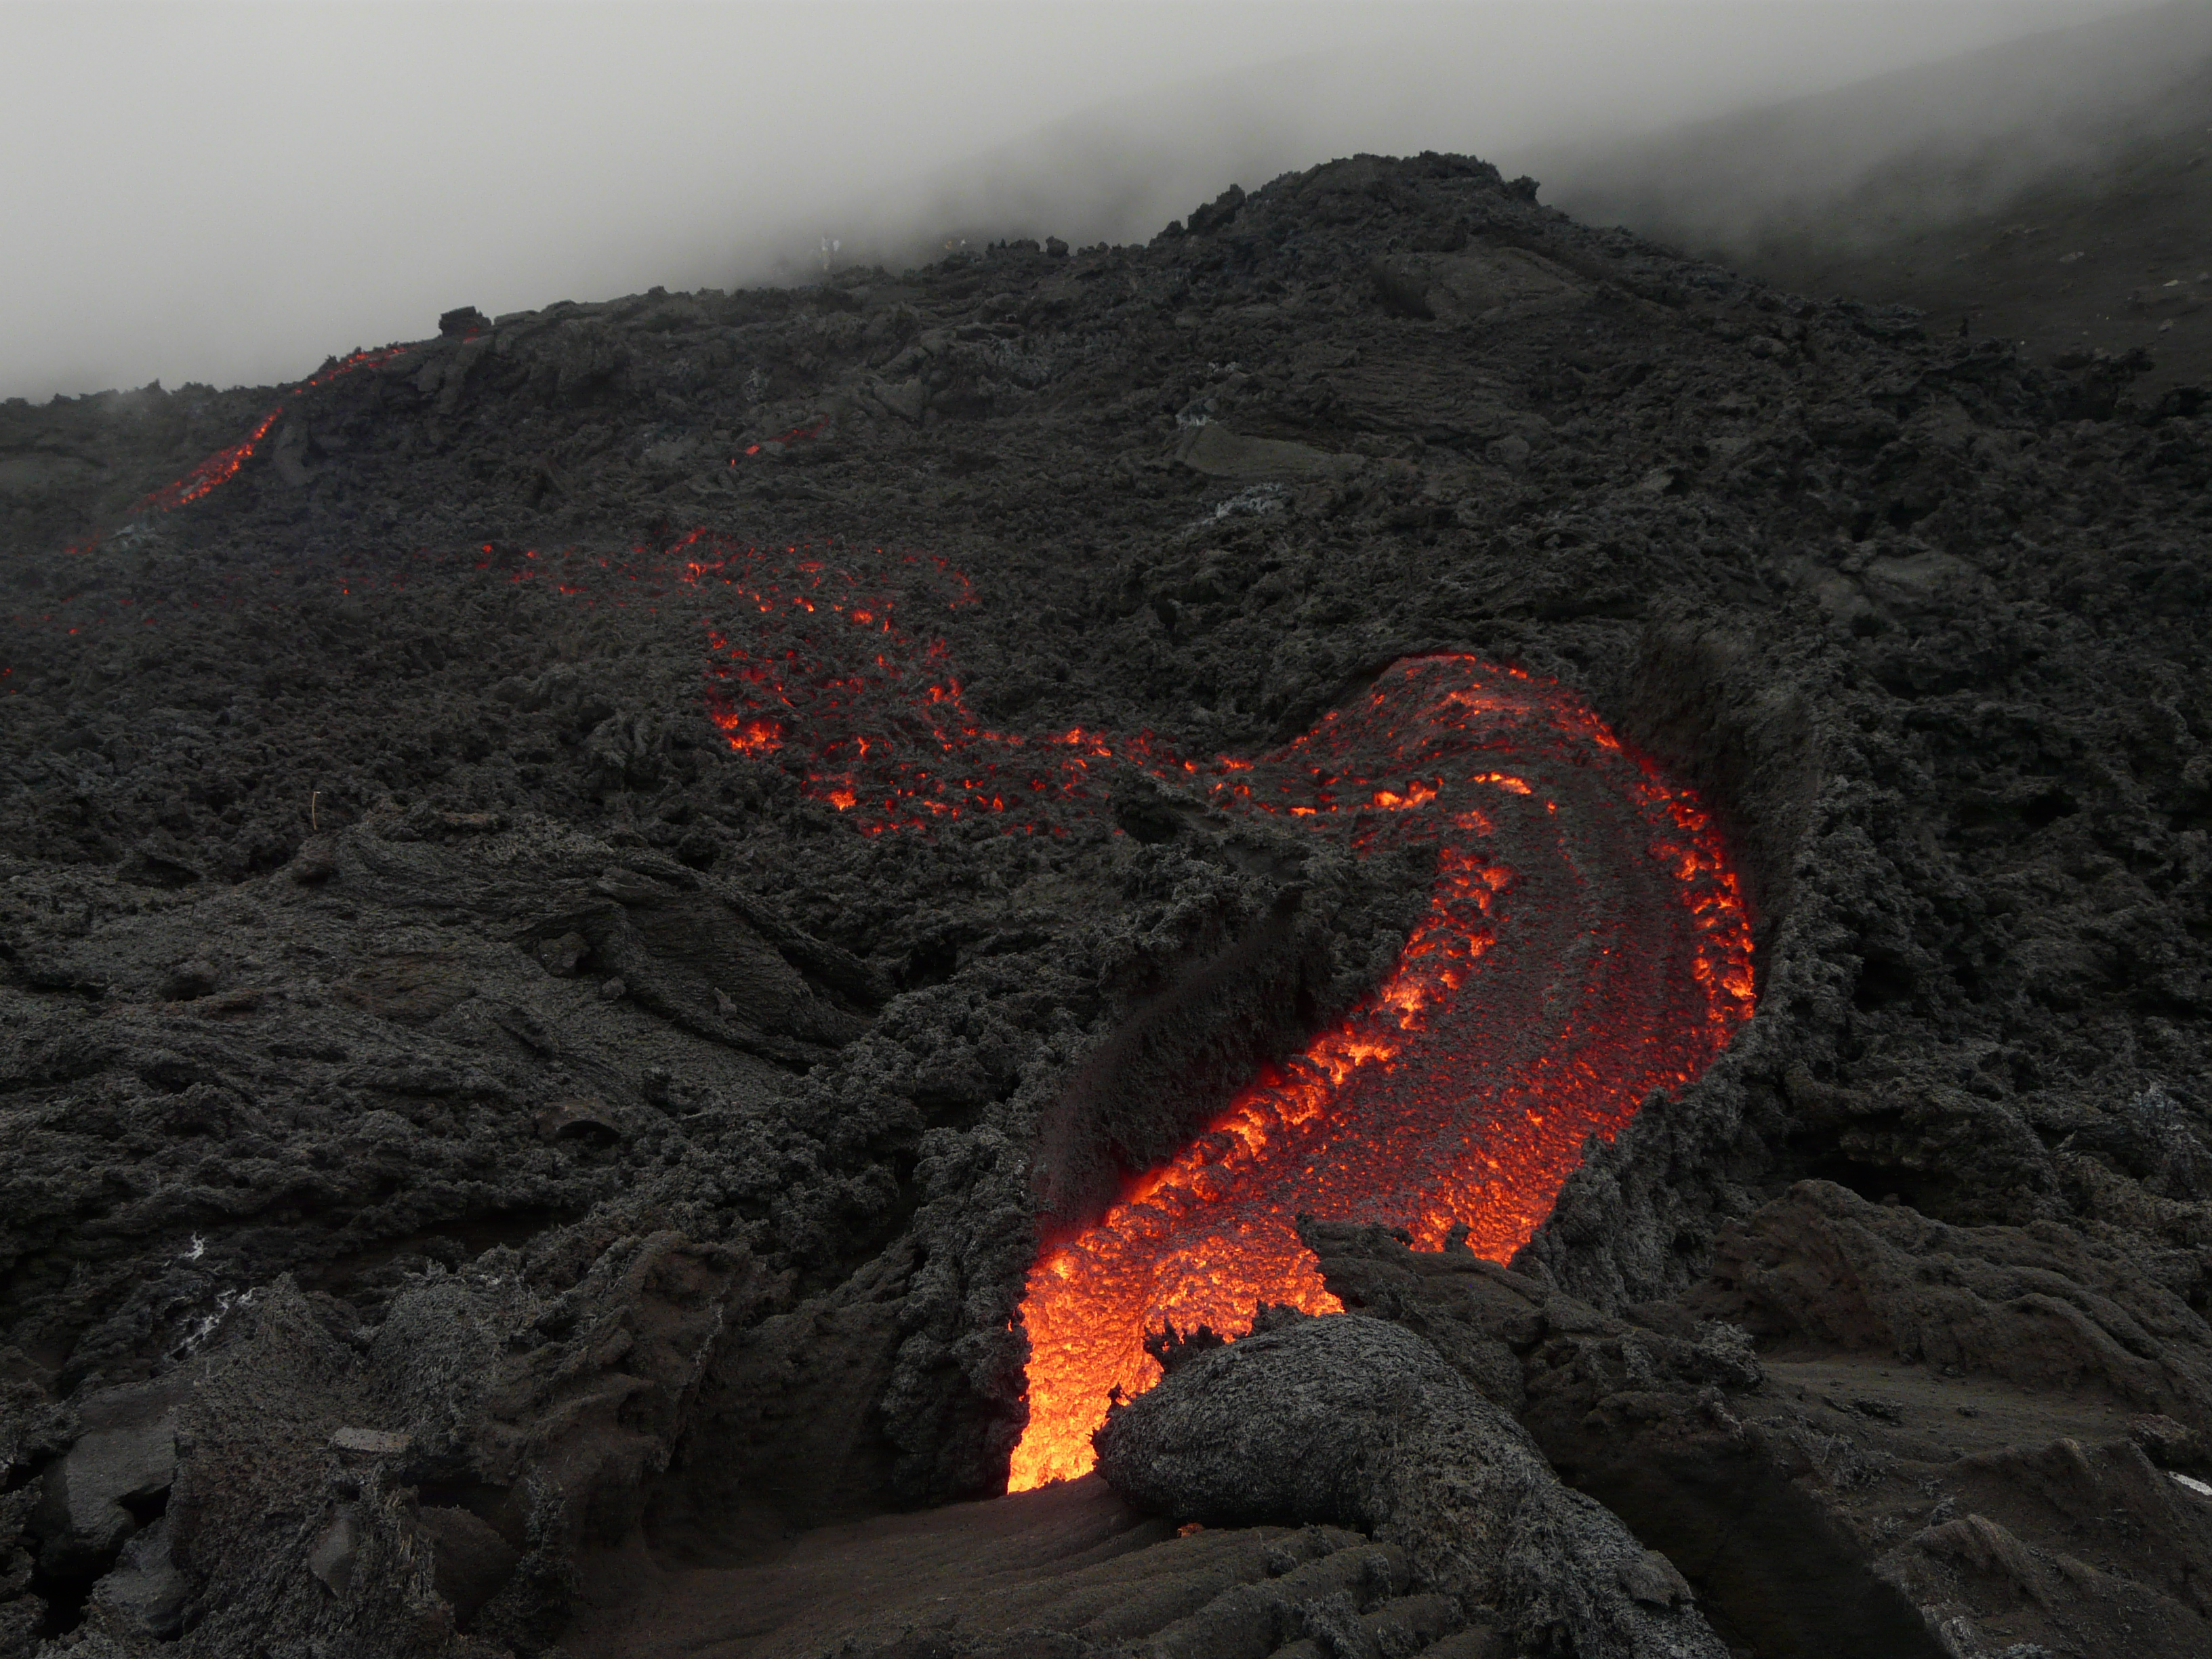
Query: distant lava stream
(1585,944)
(220,468)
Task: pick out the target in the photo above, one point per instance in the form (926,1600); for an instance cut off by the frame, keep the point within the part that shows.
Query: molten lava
(220,468)
(1585,944)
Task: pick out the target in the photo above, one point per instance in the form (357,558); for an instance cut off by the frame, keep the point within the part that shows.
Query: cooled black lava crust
(418,1016)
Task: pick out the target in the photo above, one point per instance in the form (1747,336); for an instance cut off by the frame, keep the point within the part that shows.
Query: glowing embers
(815,654)
(1585,944)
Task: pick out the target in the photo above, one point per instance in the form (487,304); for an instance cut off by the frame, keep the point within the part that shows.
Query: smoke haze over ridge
(229,193)
(1936,140)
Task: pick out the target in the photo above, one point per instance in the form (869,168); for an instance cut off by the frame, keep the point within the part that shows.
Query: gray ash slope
(421,1024)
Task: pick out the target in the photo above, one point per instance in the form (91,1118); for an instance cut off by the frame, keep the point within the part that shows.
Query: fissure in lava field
(1585,944)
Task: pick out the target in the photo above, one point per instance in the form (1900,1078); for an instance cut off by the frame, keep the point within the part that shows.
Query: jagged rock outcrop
(1357,1422)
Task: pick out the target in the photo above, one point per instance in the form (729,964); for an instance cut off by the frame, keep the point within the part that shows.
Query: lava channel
(1585,944)
(220,468)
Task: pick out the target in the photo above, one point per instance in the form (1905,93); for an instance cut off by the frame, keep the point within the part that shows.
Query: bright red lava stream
(220,468)
(1585,945)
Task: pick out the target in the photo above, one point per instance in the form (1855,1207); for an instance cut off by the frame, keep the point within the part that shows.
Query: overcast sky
(229,193)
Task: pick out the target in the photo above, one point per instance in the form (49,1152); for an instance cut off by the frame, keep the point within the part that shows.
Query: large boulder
(1357,1422)
(113,1478)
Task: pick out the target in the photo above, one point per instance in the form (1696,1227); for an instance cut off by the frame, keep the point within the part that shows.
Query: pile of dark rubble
(468,1132)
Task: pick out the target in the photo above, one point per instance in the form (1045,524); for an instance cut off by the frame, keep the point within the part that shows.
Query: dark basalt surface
(479,1158)
(1362,1422)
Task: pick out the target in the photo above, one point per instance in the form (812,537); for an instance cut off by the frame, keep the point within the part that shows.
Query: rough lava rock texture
(1359,1423)
(1843,1491)
(477,1146)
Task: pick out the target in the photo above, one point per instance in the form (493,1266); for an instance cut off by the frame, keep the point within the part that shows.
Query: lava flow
(1585,942)
(1585,945)
(218,469)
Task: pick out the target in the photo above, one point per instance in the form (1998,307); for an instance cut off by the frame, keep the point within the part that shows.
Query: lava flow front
(1585,944)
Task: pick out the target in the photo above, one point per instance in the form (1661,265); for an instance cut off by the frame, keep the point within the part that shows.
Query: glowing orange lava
(1585,944)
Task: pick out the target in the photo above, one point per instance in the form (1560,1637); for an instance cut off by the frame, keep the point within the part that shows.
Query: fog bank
(1884,159)
(229,193)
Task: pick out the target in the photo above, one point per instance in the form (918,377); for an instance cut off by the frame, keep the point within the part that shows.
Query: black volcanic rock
(1359,1423)
(422,1022)
(1826,1490)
